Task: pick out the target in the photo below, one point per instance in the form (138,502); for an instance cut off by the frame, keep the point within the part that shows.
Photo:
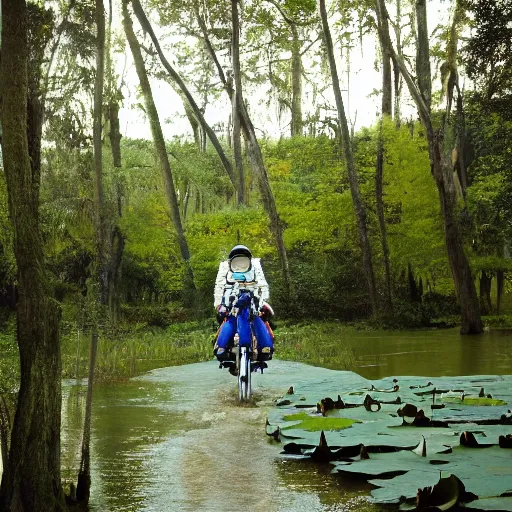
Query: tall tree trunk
(387,88)
(113,96)
(31,480)
(159,142)
(386,112)
(423,53)
(461,271)
(441,169)
(296,125)
(83,487)
(146,26)
(115,236)
(396,72)
(357,201)
(101,220)
(227,83)
(259,170)
(296,74)
(235,112)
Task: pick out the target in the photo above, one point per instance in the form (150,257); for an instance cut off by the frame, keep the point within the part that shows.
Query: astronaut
(240,299)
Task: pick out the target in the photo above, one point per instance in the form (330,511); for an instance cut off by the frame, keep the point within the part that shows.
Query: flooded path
(176,440)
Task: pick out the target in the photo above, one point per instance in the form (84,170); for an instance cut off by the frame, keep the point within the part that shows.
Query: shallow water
(175,439)
(434,353)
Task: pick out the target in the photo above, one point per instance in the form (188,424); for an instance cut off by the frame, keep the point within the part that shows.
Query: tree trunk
(5,430)
(396,72)
(194,124)
(113,94)
(227,84)
(83,486)
(296,74)
(296,125)
(159,142)
(260,172)
(423,53)
(115,132)
(143,20)
(500,281)
(186,199)
(441,169)
(386,111)
(387,88)
(101,221)
(235,112)
(485,293)
(359,207)
(31,480)
(461,271)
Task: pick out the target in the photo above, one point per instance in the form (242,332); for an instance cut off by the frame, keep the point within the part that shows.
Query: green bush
(438,305)
(155,315)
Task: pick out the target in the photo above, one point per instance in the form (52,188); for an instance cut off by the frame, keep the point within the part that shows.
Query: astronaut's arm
(220,284)
(262,285)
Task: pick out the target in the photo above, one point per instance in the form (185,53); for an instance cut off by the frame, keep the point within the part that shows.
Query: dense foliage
(391,223)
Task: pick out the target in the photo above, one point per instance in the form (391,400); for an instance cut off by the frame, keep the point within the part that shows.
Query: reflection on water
(433,353)
(176,440)
(315,484)
(127,422)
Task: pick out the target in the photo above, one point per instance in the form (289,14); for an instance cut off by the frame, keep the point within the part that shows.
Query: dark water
(175,439)
(432,353)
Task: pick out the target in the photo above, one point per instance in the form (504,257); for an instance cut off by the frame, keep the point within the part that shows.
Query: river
(175,438)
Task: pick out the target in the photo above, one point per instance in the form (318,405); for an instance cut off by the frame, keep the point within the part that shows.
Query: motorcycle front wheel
(244,375)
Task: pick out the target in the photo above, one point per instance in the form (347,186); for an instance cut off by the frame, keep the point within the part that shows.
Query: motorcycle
(241,354)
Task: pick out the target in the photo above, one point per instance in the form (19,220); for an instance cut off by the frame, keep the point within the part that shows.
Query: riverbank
(129,352)
(132,350)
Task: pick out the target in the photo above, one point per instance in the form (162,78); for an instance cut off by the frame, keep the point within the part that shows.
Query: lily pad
(318,423)
(469,400)
(496,504)
(380,430)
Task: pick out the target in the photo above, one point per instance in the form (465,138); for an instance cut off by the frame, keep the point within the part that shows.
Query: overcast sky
(360,104)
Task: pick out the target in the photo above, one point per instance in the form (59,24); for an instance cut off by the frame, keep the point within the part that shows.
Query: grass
(317,344)
(131,352)
(504,321)
(136,349)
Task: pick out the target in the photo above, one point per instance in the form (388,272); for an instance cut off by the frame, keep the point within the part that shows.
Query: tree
(359,207)
(258,164)
(294,25)
(102,249)
(487,59)
(159,142)
(31,479)
(386,111)
(144,22)
(235,111)
(440,156)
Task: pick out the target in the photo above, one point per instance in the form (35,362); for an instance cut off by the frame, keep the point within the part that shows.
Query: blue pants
(245,328)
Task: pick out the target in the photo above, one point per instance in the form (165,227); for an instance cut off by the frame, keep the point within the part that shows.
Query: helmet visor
(240,263)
